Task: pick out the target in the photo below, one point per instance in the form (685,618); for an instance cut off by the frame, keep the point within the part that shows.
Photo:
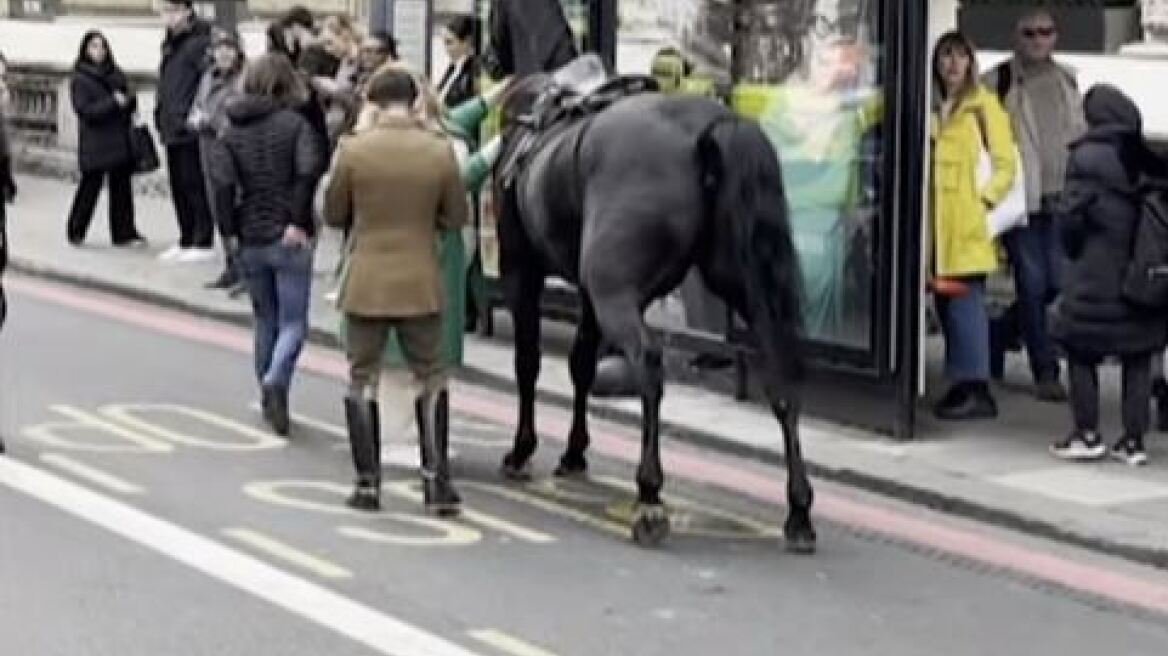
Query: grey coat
(1025,122)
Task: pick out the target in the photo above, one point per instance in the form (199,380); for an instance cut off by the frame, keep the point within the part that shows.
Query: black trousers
(121,206)
(1137,392)
(188,190)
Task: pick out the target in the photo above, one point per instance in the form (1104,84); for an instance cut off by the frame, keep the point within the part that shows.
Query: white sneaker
(171,254)
(197,255)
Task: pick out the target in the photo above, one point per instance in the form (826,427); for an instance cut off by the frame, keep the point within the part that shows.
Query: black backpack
(1146,282)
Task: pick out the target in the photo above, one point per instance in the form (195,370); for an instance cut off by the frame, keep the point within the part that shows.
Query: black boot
(1160,395)
(972,400)
(365,442)
(433,415)
(275,406)
(230,276)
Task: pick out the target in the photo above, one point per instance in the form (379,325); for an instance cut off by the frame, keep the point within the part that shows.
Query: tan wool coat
(395,187)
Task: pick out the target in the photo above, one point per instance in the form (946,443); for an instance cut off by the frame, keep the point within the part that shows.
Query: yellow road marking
(405,490)
(51,433)
(128,414)
(288,554)
(507,644)
(552,507)
(91,474)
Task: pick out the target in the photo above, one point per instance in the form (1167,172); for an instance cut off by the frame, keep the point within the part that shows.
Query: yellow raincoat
(961,239)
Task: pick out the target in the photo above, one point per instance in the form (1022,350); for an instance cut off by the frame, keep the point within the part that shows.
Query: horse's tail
(744,191)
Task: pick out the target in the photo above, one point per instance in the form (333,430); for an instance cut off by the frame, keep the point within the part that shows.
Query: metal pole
(909,40)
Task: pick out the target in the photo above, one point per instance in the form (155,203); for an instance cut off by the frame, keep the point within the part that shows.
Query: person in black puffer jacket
(1097,221)
(264,171)
(105,105)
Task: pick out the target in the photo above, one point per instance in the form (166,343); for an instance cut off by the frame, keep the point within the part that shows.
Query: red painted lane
(620,443)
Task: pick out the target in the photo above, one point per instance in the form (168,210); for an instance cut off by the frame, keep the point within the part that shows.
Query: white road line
(277,549)
(91,474)
(507,644)
(381,632)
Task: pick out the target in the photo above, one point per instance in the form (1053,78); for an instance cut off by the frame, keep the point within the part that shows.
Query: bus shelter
(840,87)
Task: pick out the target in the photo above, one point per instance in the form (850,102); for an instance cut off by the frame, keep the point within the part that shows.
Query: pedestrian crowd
(1038,194)
(325,128)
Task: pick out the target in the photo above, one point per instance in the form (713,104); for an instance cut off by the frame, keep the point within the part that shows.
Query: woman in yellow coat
(969,120)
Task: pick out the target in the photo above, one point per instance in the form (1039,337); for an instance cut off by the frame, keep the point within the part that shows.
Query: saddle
(579,90)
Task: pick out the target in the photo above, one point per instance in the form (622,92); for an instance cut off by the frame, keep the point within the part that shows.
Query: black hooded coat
(1097,222)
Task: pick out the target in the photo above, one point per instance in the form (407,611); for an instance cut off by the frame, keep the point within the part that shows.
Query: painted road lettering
(68,435)
(427,532)
(253,439)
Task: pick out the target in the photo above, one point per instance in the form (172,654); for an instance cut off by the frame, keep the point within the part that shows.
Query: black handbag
(142,150)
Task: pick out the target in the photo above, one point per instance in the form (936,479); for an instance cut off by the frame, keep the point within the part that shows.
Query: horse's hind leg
(583,364)
(621,321)
(524,287)
(785,403)
(798,530)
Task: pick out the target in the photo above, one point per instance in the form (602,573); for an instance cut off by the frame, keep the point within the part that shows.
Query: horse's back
(644,200)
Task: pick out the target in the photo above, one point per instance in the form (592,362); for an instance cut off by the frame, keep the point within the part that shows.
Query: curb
(892,489)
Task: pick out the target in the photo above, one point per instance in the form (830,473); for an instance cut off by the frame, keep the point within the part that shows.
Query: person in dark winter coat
(105,106)
(7,195)
(528,36)
(457,84)
(184,59)
(208,119)
(265,170)
(1097,221)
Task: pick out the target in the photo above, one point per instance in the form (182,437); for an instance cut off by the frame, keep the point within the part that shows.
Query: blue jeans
(967,334)
(1035,256)
(279,280)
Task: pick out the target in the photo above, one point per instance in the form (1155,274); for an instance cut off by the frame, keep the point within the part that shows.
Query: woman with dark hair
(208,118)
(457,84)
(265,170)
(105,106)
(969,120)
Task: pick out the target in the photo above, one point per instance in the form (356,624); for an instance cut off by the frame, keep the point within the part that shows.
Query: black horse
(622,202)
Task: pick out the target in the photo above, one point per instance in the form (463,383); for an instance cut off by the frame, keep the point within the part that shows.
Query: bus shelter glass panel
(810,71)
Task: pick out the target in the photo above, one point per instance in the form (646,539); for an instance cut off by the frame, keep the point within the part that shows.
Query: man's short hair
(1036,12)
(392,87)
(388,42)
(297,15)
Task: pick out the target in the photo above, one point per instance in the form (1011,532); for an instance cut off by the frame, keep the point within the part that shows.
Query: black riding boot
(365,441)
(433,415)
(230,277)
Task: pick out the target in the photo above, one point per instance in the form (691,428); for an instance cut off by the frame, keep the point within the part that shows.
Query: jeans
(279,280)
(1034,254)
(967,334)
(1137,392)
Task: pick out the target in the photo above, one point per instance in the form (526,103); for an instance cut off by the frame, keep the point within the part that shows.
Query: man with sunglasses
(1045,107)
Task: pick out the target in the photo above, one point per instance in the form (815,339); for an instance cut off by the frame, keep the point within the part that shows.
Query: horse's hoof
(800,541)
(572,466)
(517,472)
(650,526)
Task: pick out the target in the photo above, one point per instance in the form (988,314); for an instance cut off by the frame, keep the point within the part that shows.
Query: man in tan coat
(395,186)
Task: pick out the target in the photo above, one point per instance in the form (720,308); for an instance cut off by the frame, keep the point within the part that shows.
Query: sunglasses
(1035,32)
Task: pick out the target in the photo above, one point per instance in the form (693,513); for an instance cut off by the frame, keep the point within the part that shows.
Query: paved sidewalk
(998,471)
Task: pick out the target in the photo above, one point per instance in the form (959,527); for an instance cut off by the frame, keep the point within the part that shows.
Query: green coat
(461,122)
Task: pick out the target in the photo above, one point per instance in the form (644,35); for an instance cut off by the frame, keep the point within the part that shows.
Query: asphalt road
(145,510)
